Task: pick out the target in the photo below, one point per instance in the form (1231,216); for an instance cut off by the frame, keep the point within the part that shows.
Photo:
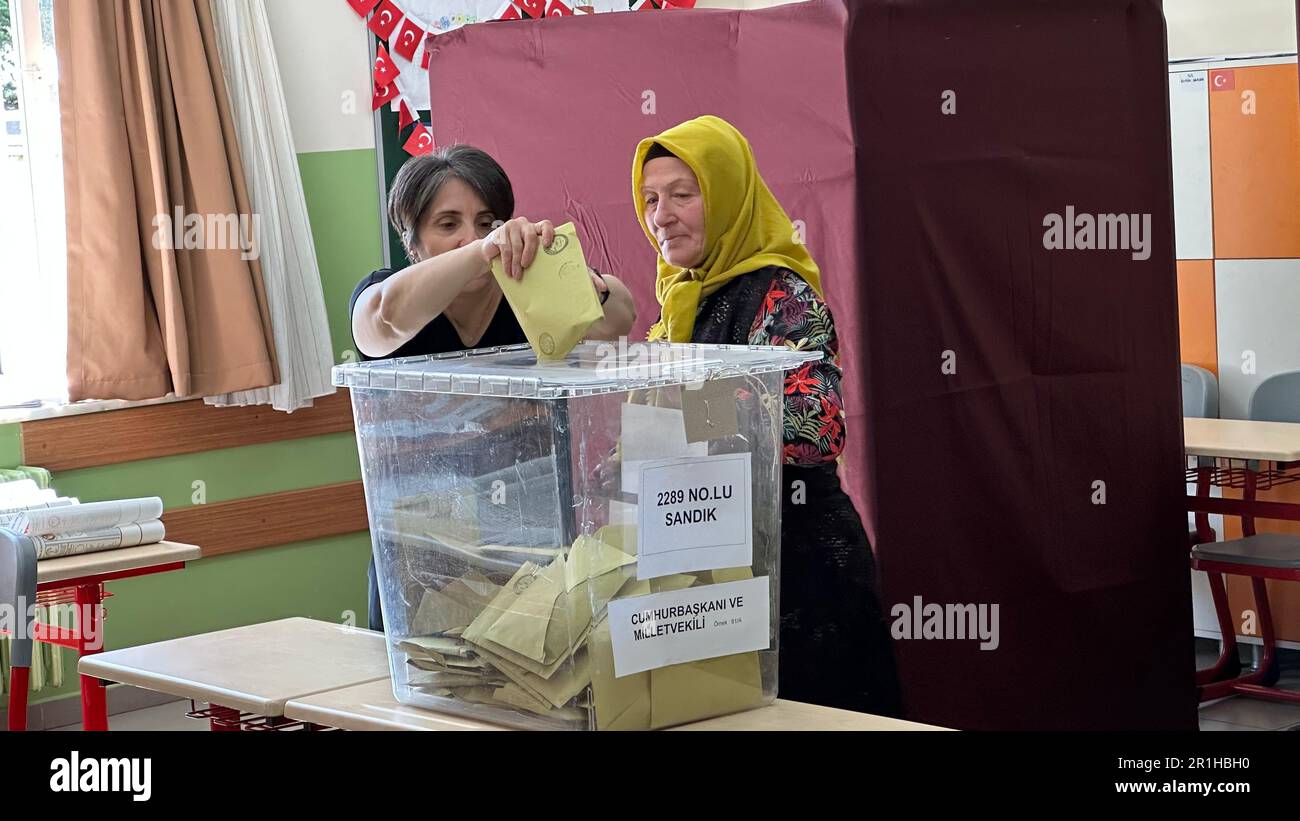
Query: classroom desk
(79,580)
(1249,456)
(1237,444)
(372,706)
(1242,439)
(255,669)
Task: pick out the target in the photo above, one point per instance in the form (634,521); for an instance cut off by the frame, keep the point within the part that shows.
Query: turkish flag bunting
(558,9)
(385,19)
(363,7)
(383,95)
(420,142)
(405,117)
(409,39)
(508,12)
(532,8)
(385,69)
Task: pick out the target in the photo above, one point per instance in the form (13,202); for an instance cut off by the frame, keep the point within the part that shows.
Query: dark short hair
(656,151)
(418,182)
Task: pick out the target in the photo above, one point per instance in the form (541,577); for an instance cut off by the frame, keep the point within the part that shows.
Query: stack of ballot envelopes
(540,643)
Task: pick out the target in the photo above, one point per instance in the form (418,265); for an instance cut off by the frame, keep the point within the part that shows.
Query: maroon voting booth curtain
(1014,420)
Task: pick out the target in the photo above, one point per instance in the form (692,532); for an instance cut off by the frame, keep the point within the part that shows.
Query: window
(33,275)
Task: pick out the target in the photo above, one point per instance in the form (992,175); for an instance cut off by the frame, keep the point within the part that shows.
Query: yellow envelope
(564,684)
(543,615)
(518,618)
(454,606)
(620,703)
(703,689)
(555,301)
(677,694)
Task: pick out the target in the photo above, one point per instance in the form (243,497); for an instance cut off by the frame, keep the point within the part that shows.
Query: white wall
(1197,28)
(325,67)
(1212,28)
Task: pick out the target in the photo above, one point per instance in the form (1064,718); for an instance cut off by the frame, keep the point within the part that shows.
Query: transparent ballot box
(587,543)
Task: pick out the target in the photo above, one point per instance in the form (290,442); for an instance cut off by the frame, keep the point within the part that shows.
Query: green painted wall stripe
(231,473)
(11,446)
(343,204)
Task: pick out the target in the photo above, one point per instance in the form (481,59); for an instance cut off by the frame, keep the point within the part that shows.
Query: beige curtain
(147,137)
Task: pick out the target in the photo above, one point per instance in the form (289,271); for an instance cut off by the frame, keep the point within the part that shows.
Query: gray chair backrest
(1200,393)
(1277,399)
(18,591)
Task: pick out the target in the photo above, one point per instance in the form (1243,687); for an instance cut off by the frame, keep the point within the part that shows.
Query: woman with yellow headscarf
(732,270)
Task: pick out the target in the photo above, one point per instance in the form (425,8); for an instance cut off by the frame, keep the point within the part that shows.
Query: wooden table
(79,580)
(1243,443)
(255,669)
(372,706)
(1242,439)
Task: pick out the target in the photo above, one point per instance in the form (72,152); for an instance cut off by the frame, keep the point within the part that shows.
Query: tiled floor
(1229,714)
(163,717)
(1238,713)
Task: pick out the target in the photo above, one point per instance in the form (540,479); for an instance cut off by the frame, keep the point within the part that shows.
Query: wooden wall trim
(127,435)
(271,519)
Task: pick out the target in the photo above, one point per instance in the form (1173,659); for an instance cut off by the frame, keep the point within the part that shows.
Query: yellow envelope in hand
(555,301)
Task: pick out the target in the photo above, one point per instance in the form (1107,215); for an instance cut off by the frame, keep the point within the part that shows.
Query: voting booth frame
(1012,407)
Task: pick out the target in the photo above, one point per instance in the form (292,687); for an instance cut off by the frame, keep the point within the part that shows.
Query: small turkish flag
(558,9)
(363,7)
(1223,79)
(409,39)
(532,8)
(385,19)
(405,117)
(645,5)
(420,142)
(383,95)
(385,69)
(509,12)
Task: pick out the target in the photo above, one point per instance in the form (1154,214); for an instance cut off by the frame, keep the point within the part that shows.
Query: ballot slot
(520,580)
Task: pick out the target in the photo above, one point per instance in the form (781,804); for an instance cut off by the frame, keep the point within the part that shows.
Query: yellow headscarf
(745,227)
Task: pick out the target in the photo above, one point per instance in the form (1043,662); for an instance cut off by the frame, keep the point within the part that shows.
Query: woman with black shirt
(454,211)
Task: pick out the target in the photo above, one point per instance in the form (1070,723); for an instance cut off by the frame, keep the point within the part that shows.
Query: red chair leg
(1268,666)
(1228,665)
(19,681)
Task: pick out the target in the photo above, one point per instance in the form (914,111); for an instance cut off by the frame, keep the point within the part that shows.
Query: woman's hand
(602,288)
(618,307)
(516,242)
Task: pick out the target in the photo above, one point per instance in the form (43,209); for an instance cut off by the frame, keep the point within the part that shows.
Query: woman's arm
(389,314)
(794,316)
(620,310)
